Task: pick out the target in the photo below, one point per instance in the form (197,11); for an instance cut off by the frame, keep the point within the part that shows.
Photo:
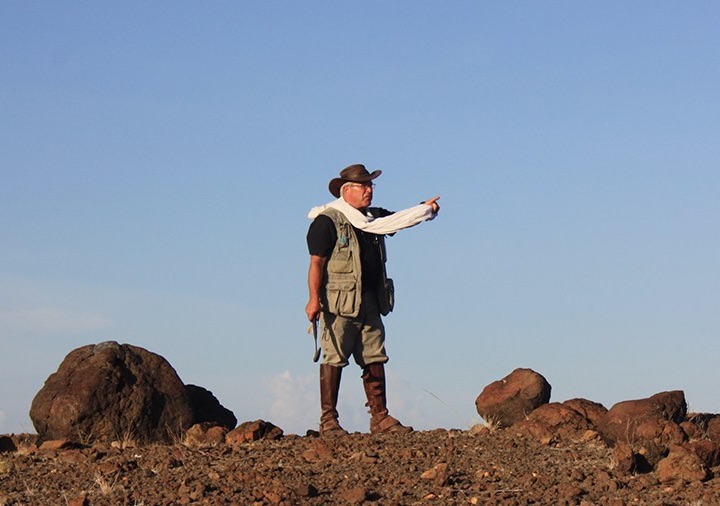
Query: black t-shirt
(322,235)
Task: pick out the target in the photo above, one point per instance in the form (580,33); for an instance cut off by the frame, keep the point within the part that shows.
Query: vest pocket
(341,297)
(341,261)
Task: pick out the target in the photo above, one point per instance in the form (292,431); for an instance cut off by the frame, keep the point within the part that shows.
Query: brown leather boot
(374,383)
(329,389)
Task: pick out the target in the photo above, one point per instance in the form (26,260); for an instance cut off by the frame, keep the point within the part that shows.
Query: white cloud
(295,402)
(49,319)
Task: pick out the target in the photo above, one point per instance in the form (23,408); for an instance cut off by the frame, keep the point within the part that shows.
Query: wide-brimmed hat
(353,174)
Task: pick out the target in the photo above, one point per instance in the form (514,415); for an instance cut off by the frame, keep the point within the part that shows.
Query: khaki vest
(343,273)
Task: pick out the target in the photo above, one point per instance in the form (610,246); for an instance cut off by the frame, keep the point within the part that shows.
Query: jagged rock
(111,391)
(511,399)
(206,408)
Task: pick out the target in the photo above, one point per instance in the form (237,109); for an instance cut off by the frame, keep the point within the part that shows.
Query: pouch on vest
(386,297)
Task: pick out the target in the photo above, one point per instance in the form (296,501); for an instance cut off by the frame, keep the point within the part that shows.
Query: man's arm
(315,278)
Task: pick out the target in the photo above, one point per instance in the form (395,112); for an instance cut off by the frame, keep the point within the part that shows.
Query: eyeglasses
(361,185)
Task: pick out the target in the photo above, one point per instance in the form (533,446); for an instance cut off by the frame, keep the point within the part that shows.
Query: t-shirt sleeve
(321,236)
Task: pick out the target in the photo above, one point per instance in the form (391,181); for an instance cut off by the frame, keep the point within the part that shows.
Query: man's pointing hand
(433,203)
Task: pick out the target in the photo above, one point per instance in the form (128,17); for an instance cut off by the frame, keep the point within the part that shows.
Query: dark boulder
(207,409)
(111,391)
(649,426)
(7,444)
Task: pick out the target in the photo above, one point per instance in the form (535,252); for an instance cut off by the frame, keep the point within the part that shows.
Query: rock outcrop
(651,434)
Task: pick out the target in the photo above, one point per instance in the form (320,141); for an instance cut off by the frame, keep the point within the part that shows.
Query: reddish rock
(81,500)
(713,429)
(651,440)
(355,495)
(708,451)
(438,474)
(563,421)
(665,431)
(215,435)
(318,452)
(511,399)
(56,444)
(74,456)
(253,431)
(535,430)
(306,490)
(692,430)
(592,411)
(205,434)
(622,421)
(111,391)
(681,465)
(625,459)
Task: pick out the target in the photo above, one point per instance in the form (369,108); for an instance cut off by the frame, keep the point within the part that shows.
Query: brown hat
(353,174)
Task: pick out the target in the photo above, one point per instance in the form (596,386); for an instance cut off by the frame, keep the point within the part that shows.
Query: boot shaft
(376,392)
(329,390)
(375,388)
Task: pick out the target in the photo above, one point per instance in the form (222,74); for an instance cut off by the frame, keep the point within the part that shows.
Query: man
(350,291)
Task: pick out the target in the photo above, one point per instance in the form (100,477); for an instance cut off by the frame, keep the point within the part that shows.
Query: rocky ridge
(92,451)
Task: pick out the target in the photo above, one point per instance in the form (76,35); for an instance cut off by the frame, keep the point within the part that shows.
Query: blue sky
(157,162)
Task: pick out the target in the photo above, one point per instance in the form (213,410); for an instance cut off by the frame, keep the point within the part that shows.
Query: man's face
(358,195)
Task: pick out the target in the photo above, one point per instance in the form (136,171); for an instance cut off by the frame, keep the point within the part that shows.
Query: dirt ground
(432,467)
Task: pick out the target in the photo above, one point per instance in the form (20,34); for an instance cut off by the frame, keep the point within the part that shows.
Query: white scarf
(381,226)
